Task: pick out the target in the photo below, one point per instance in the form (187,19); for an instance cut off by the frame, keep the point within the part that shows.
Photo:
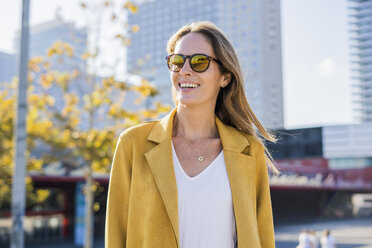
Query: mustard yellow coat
(142,198)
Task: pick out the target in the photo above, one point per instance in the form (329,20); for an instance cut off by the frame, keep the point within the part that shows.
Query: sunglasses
(198,62)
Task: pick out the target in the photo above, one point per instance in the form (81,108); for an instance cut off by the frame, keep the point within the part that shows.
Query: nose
(186,69)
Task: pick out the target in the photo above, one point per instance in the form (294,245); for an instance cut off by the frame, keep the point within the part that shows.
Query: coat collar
(231,139)
(237,166)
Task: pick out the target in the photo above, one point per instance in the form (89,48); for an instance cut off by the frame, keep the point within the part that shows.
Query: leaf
(46,65)
(108,82)
(46,80)
(160,108)
(50,100)
(62,79)
(42,195)
(60,48)
(125,41)
(85,56)
(131,7)
(145,89)
(140,62)
(135,28)
(75,73)
(34,63)
(68,49)
(96,207)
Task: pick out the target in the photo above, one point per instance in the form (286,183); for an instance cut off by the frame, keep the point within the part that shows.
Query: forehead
(194,43)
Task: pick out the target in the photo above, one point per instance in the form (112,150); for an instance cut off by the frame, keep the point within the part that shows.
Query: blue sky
(316,78)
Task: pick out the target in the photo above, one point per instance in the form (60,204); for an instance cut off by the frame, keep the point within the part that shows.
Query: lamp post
(19,169)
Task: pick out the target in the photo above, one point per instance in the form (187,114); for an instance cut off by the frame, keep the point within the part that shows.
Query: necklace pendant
(200,159)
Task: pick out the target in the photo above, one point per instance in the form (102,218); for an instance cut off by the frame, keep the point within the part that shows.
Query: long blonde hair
(232,105)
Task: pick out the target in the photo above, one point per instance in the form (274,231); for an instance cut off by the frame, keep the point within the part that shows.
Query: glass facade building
(252,26)
(297,144)
(348,146)
(360,21)
(7,66)
(42,37)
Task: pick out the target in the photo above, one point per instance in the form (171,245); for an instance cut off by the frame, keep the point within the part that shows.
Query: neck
(194,124)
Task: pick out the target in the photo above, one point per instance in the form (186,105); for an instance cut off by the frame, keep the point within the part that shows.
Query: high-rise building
(360,20)
(7,66)
(44,35)
(253,26)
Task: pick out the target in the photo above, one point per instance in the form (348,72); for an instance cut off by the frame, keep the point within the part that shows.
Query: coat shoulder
(137,132)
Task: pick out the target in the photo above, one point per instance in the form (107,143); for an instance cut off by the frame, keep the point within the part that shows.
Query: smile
(188,85)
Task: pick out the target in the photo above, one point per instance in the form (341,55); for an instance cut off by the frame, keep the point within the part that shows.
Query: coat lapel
(161,163)
(238,165)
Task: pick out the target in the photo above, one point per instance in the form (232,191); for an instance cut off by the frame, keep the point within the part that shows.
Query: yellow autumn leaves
(75,116)
(60,48)
(58,115)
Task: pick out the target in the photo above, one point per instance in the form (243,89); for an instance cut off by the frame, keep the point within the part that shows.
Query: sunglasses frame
(185,57)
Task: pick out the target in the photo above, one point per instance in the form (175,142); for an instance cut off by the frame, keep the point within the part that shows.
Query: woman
(313,238)
(198,177)
(305,239)
(327,240)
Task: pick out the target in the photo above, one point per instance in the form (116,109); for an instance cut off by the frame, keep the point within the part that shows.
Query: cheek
(216,81)
(173,77)
(215,78)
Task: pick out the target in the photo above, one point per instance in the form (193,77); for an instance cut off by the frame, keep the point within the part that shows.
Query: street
(353,233)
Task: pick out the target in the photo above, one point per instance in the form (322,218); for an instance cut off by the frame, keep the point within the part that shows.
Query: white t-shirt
(205,209)
(314,240)
(327,242)
(304,240)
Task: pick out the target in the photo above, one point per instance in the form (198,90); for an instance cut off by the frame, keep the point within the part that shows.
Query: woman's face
(207,83)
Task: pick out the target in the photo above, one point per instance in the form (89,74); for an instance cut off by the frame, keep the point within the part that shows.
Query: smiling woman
(198,177)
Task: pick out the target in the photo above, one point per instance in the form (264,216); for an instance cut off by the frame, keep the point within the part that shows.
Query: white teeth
(188,85)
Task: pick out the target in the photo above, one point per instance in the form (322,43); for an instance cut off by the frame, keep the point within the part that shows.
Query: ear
(226,80)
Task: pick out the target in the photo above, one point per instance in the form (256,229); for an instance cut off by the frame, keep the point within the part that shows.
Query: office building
(360,16)
(300,143)
(44,35)
(348,146)
(252,26)
(7,66)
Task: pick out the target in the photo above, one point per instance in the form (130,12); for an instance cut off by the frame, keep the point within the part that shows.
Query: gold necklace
(200,158)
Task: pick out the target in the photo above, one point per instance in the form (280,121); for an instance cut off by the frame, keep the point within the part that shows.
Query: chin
(187,102)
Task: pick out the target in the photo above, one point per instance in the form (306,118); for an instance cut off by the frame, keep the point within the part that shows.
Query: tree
(66,110)
(33,197)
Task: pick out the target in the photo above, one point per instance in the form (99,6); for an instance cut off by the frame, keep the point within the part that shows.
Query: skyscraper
(44,35)
(7,66)
(252,26)
(360,20)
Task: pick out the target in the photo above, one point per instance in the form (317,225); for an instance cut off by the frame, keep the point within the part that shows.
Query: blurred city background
(98,67)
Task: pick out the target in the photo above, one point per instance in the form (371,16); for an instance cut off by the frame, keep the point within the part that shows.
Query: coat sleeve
(263,201)
(118,196)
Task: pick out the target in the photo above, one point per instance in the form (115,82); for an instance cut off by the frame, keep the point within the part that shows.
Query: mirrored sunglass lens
(199,62)
(176,62)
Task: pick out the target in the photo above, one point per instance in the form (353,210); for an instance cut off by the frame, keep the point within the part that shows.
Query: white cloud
(327,67)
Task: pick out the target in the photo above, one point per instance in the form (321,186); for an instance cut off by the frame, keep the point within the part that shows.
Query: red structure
(305,187)
(314,174)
